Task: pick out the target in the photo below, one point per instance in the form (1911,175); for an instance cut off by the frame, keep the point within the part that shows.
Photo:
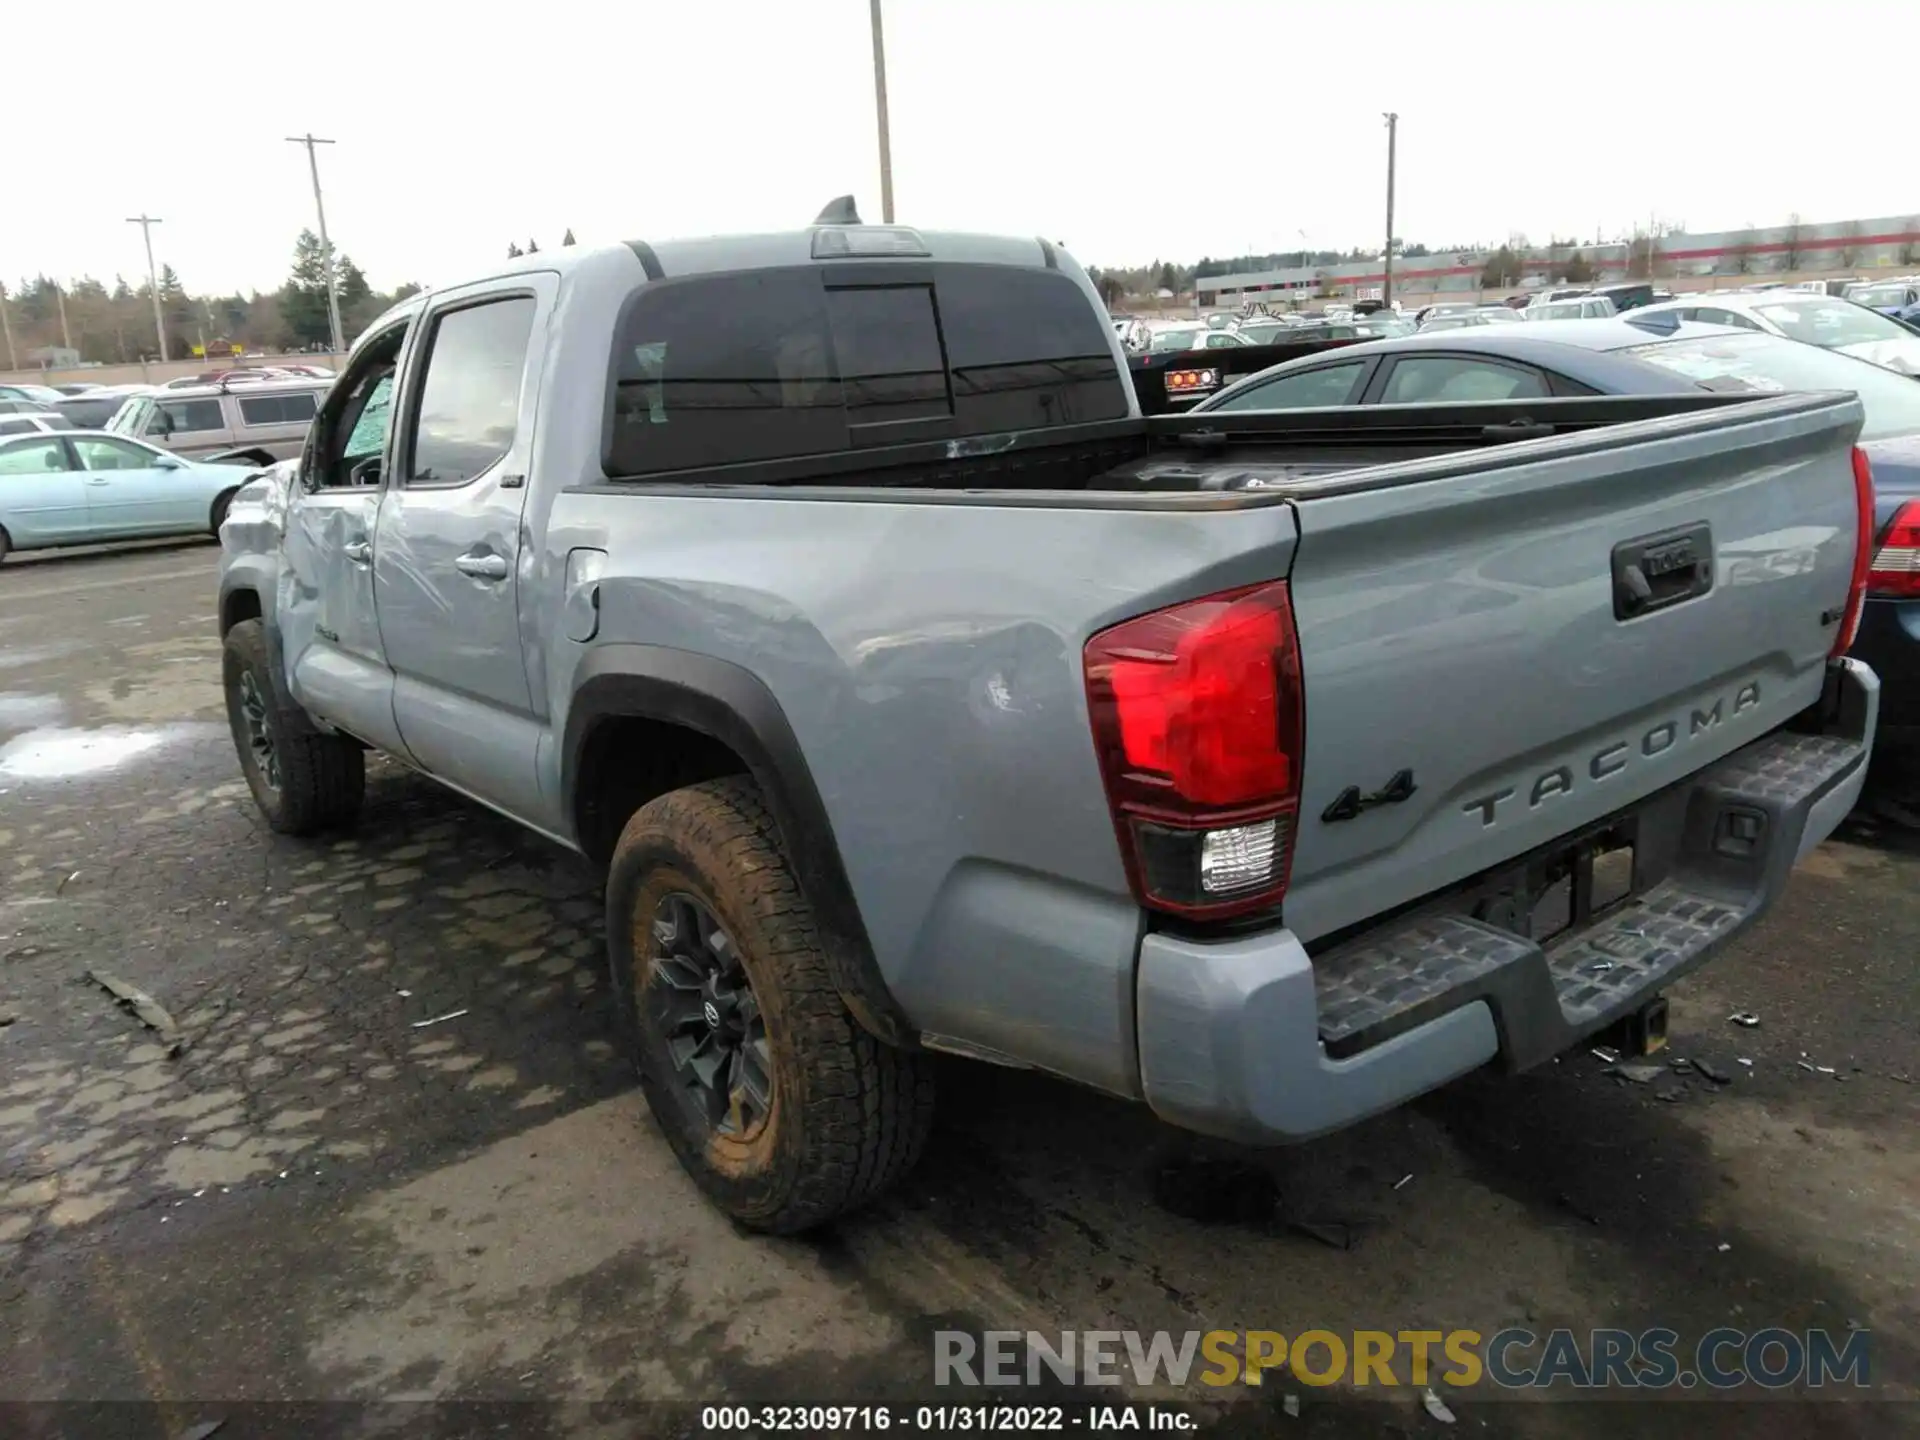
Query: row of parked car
(82,463)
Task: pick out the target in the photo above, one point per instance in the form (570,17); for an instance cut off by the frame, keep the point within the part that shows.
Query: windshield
(1263,334)
(1568,310)
(1888,295)
(1176,340)
(1768,364)
(1830,323)
(1453,322)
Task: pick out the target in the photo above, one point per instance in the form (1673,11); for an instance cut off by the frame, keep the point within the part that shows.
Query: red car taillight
(1896,564)
(1196,714)
(1862,553)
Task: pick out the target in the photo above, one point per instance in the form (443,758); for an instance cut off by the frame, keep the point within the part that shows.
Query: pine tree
(566,239)
(533,247)
(303,299)
(514,252)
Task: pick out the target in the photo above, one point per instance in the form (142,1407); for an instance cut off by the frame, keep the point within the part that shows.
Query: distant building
(1859,245)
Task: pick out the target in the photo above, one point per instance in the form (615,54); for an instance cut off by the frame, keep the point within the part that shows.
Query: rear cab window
(759,365)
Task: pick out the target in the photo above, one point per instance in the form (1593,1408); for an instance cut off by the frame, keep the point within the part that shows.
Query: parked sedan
(40,423)
(1652,355)
(41,397)
(1889,297)
(1831,324)
(80,487)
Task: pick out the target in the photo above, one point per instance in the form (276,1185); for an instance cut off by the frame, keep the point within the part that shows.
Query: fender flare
(732,705)
(292,712)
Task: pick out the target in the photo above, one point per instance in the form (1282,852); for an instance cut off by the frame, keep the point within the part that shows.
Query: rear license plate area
(1580,882)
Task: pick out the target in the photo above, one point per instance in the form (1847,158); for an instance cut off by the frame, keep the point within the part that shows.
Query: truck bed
(1259,457)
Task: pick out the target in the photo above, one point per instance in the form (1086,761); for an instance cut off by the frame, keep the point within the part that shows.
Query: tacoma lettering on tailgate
(1613,758)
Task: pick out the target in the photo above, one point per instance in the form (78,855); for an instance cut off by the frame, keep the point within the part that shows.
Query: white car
(1587,307)
(1192,337)
(34,423)
(1821,320)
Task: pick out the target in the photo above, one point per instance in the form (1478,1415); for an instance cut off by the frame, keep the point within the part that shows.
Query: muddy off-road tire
(783,1109)
(303,782)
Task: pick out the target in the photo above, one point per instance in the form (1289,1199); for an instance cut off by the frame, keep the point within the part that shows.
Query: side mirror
(167,462)
(161,424)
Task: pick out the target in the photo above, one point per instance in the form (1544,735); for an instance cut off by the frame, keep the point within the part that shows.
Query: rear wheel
(782,1108)
(6,544)
(303,782)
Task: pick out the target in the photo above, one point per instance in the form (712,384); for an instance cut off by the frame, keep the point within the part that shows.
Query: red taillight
(1896,563)
(1862,553)
(1196,714)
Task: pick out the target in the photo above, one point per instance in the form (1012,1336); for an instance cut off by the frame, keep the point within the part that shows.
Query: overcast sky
(1132,131)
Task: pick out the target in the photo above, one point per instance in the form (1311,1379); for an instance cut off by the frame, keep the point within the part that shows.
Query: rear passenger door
(42,499)
(448,561)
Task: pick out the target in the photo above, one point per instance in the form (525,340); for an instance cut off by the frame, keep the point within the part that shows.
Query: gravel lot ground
(326,1199)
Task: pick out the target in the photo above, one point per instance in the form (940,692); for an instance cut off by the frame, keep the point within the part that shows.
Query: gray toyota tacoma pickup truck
(828,589)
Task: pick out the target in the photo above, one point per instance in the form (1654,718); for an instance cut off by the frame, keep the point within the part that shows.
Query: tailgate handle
(1657,571)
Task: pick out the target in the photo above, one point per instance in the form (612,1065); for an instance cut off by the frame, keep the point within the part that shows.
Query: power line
(326,246)
(146,224)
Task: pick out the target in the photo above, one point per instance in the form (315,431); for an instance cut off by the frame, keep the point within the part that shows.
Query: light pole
(326,245)
(6,325)
(1386,288)
(146,224)
(880,105)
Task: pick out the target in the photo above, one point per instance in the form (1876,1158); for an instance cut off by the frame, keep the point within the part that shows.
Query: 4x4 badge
(1350,802)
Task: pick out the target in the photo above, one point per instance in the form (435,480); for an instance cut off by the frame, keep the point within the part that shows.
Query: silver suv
(269,416)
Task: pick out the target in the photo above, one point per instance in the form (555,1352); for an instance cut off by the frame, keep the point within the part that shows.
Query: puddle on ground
(21,711)
(55,754)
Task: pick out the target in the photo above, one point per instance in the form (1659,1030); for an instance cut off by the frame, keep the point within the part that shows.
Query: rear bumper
(1254,1040)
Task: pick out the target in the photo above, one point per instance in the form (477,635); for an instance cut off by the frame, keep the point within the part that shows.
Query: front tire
(221,505)
(783,1109)
(303,782)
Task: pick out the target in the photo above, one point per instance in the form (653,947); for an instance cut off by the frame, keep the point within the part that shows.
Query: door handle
(483,566)
(96,480)
(359,552)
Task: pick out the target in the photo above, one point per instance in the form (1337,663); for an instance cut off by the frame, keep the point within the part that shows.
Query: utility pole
(326,245)
(60,297)
(146,224)
(6,325)
(880,104)
(1386,289)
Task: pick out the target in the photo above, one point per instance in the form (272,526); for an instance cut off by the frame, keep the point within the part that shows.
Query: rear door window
(1442,378)
(1303,390)
(293,408)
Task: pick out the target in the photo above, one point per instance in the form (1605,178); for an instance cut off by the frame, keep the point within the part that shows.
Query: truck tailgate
(1543,635)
